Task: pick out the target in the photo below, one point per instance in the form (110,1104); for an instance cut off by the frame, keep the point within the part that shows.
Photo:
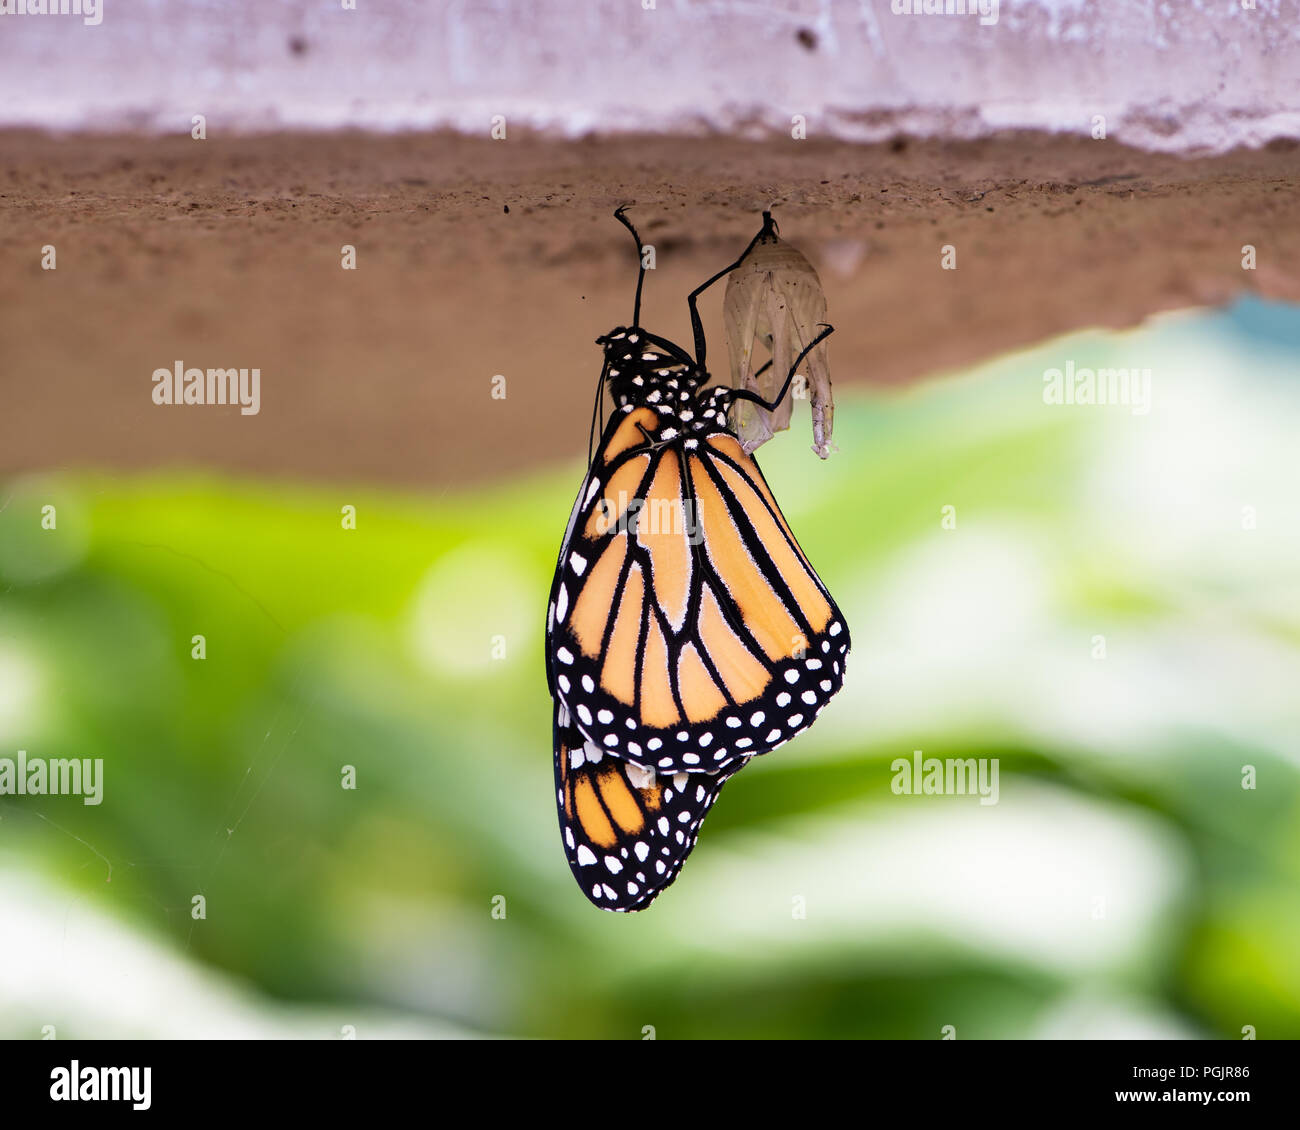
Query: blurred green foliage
(326,647)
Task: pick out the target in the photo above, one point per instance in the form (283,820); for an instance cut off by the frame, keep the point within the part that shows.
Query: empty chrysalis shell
(774,299)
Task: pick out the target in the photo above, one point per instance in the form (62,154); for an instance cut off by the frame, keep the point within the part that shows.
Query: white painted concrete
(1168,74)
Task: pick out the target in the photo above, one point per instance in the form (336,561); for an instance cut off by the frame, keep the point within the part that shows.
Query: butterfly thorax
(644,370)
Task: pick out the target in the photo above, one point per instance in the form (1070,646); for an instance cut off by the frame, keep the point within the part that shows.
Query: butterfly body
(686,630)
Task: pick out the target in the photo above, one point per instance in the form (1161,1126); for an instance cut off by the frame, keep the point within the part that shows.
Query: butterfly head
(645,369)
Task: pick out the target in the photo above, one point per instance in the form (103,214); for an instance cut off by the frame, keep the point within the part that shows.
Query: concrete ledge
(227,253)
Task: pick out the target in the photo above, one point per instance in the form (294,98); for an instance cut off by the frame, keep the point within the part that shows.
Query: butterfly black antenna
(640,258)
(768,231)
(596,414)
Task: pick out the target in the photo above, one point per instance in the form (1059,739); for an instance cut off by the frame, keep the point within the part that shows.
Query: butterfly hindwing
(626,831)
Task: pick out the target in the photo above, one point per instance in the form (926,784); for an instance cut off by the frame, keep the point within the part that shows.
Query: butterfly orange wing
(687,630)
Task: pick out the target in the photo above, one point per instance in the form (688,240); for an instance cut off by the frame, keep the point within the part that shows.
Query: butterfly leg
(697,326)
(770,406)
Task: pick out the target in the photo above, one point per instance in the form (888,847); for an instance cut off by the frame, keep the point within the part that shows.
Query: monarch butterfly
(686,630)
